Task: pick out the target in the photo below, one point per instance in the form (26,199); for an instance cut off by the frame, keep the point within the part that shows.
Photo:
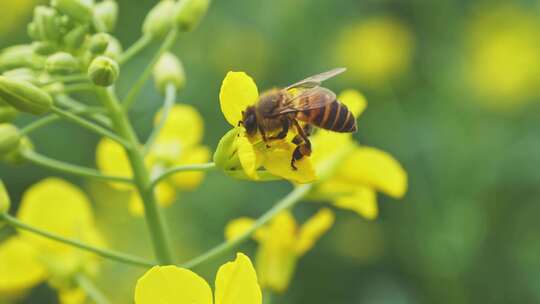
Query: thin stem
(89,125)
(67,78)
(76,105)
(139,84)
(38,124)
(135,48)
(91,289)
(170,97)
(50,163)
(285,203)
(106,253)
(77,87)
(141,176)
(174,170)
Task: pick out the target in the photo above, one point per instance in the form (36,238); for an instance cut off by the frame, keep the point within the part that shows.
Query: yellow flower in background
(238,91)
(236,283)
(362,172)
(59,207)
(13,13)
(503,62)
(178,143)
(281,243)
(375,50)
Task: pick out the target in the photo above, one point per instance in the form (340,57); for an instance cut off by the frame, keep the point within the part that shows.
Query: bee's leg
(263,134)
(284,129)
(303,145)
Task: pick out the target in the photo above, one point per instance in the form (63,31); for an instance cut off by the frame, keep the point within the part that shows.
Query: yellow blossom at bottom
(236,283)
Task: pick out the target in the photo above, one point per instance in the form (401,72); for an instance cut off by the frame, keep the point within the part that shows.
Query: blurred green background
(452,90)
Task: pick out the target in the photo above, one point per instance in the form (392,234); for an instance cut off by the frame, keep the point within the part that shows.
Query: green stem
(91,289)
(285,203)
(76,105)
(170,97)
(139,84)
(67,78)
(174,170)
(50,163)
(88,125)
(135,48)
(77,87)
(109,254)
(141,175)
(38,124)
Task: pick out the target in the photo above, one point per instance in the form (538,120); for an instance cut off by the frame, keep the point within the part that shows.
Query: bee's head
(249,120)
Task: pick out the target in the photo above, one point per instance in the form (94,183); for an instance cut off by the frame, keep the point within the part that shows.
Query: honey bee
(278,110)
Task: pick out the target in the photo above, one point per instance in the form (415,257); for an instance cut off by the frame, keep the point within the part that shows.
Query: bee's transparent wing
(316,80)
(309,99)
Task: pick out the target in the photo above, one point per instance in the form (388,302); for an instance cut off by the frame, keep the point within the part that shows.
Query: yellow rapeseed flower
(236,283)
(504,55)
(178,143)
(353,183)
(375,50)
(251,156)
(281,243)
(59,207)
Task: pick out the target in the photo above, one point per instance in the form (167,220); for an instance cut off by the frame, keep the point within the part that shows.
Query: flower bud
(46,24)
(114,48)
(224,156)
(169,70)
(61,63)
(44,48)
(19,56)
(103,71)
(5,202)
(16,157)
(79,10)
(10,138)
(188,13)
(160,19)
(24,74)
(106,12)
(7,112)
(99,43)
(74,39)
(24,96)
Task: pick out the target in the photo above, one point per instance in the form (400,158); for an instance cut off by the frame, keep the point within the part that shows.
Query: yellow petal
(363,201)
(20,268)
(238,91)
(374,168)
(72,296)
(313,229)
(111,159)
(59,207)
(184,124)
(190,180)
(355,101)
(248,157)
(276,256)
(277,160)
(327,144)
(237,227)
(171,284)
(236,283)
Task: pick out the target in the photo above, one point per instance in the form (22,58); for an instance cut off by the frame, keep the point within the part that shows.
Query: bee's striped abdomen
(335,117)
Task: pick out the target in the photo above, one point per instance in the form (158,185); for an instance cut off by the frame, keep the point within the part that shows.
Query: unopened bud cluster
(168,14)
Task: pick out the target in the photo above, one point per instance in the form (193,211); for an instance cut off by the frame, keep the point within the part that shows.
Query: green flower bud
(225,157)
(106,12)
(24,96)
(5,202)
(79,10)
(16,156)
(160,19)
(61,63)
(7,112)
(10,138)
(44,48)
(24,74)
(75,38)
(99,43)
(188,13)
(46,23)
(114,48)
(103,71)
(169,70)
(19,56)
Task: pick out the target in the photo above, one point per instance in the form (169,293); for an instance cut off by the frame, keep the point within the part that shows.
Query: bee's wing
(316,80)
(309,99)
